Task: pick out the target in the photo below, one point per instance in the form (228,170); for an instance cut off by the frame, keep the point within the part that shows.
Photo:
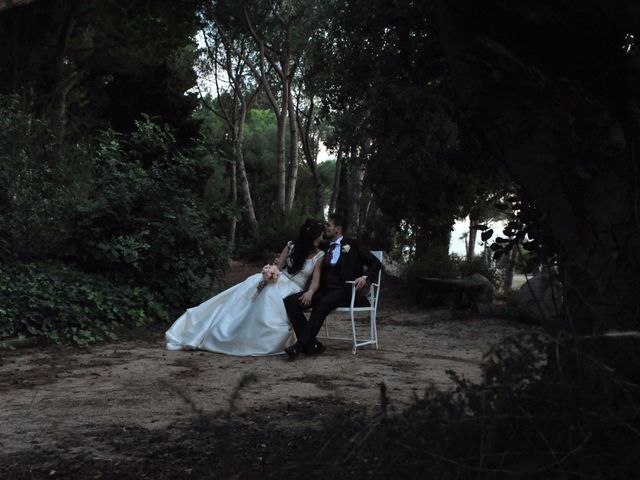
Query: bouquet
(270,274)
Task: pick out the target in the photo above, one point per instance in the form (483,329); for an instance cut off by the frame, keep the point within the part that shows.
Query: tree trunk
(292,179)
(281,161)
(233,181)
(473,233)
(280,62)
(336,182)
(358,167)
(60,110)
(318,193)
(310,152)
(486,253)
(61,84)
(508,273)
(364,214)
(355,193)
(242,173)
(432,248)
(318,196)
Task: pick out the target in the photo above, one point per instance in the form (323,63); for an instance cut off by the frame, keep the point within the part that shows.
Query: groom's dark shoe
(293,351)
(316,349)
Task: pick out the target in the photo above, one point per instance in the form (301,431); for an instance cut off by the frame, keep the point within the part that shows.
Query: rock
(486,295)
(459,293)
(538,300)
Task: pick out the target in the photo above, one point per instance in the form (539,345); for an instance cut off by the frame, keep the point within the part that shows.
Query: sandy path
(58,392)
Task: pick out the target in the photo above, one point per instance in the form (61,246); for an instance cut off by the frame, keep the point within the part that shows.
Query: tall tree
(220,52)
(292,163)
(394,116)
(275,52)
(333,203)
(305,118)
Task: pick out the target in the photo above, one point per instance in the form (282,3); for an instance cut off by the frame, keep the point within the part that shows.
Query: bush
(120,212)
(434,266)
(64,304)
(477,265)
(37,189)
(522,421)
(146,224)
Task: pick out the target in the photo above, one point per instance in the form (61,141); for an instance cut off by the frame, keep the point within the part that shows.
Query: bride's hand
(305,299)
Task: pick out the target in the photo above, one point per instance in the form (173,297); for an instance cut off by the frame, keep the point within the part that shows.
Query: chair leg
(375,329)
(353,331)
(372,319)
(372,327)
(326,329)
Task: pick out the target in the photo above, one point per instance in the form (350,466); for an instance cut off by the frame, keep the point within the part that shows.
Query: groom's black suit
(333,291)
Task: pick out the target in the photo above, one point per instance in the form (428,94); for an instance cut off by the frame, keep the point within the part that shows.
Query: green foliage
(396,92)
(434,266)
(37,188)
(144,221)
(276,229)
(63,304)
(477,264)
(261,167)
(525,231)
(125,209)
(113,60)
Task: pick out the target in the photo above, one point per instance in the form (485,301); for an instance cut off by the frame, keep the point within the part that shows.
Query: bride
(246,320)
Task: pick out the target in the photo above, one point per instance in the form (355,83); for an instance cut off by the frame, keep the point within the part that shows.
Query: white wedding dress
(237,322)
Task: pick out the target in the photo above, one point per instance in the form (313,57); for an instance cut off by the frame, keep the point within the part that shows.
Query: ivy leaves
(64,305)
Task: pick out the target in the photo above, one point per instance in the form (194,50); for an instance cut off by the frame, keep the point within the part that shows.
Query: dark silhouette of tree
(561,114)
(87,65)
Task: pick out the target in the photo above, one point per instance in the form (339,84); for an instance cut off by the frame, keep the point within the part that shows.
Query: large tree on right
(552,90)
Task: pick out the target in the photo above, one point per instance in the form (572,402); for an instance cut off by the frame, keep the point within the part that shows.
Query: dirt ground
(106,411)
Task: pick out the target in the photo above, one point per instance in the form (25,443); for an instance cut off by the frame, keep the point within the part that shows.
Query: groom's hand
(360,282)
(305,299)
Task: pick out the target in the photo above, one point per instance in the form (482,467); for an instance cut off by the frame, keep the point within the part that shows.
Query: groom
(344,261)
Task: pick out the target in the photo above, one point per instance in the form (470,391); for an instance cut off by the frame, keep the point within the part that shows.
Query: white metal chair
(374,292)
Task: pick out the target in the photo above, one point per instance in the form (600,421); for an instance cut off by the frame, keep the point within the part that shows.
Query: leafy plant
(63,304)
(525,229)
(121,212)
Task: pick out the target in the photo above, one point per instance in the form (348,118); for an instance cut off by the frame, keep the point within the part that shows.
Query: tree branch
(259,75)
(212,55)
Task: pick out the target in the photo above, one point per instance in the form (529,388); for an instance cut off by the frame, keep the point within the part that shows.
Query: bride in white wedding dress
(239,322)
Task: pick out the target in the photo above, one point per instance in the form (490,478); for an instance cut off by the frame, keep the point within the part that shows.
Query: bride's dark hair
(303,245)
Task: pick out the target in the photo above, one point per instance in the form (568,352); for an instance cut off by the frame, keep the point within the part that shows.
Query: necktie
(332,247)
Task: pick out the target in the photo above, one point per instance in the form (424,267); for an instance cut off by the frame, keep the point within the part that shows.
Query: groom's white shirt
(336,250)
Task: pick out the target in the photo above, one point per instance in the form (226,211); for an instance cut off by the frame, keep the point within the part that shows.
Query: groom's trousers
(324,302)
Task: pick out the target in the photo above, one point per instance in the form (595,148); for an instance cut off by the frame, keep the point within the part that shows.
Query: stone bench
(457,293)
